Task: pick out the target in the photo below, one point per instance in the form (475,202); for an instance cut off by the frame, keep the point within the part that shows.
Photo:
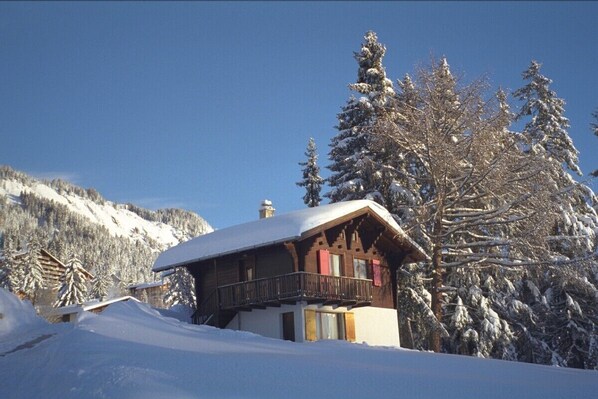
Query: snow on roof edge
(269,231)
(78,308)
(231,251)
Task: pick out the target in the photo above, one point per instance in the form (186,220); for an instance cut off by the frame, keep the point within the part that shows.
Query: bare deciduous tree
(483,200)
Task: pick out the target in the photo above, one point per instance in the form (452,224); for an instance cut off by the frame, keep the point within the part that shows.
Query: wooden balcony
(296,287)
(285,289)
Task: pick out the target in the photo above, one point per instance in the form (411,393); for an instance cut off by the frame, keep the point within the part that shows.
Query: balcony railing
(294,287)
(223,302)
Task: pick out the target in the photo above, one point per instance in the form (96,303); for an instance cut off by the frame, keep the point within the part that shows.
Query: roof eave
(232,251)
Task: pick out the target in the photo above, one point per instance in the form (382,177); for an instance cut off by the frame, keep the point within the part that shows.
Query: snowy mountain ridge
(118,219)
(117,241)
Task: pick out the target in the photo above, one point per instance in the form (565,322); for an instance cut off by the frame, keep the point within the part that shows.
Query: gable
(288,227)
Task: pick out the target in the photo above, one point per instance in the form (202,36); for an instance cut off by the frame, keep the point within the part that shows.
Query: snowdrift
(131,351)
(18,320)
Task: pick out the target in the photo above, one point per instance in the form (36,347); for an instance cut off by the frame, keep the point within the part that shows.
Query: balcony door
(247,273)
(247,269)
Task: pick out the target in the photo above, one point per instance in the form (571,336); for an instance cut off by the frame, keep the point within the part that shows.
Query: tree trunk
(435,337)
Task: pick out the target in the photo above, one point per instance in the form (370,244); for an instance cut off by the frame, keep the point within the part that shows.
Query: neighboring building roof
(277,229)
(142,286)
(88,306)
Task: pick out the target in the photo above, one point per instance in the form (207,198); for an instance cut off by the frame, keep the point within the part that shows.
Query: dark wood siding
(273,262)
(351,247)
(269,262)
(362,237)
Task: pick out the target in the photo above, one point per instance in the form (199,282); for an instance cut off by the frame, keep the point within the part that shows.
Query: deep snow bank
(131,351)
(17,318)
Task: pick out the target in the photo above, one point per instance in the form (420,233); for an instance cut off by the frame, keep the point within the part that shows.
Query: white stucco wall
(374,326)
(268,322)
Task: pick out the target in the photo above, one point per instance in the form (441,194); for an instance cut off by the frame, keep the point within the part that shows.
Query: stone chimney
(266,210)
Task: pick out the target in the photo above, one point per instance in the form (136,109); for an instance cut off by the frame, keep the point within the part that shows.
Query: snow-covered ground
(131,351)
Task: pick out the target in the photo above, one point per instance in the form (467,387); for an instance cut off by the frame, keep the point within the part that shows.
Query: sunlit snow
(131,351)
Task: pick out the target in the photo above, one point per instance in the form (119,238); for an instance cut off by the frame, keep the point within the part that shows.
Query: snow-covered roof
(142,286)
(263,232)
(87,306)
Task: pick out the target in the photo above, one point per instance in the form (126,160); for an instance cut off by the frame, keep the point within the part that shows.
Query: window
(329,264)
(246,269)
(328,325)
(249,273)
(335,265)
(360,268)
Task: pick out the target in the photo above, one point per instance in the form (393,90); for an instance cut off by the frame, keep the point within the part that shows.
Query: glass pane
(327,326)
(335,265)
(360,268)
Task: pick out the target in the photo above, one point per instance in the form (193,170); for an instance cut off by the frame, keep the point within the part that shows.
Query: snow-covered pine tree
(416,319)
(181,290)
(74,288)
(547,128)
(33,272)
(355,172)
(11,267)
(102,282)
(312,181)
(568,284)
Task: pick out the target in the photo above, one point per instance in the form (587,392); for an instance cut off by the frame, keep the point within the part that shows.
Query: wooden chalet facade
(53,271)
(318,273)
(151,293)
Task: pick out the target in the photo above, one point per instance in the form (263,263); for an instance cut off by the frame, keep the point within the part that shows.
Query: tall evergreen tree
(547,128)
(182,289)
(102,283)
(568,286)
(354,169)
(33,272)
(11,267)
(73,289)
(312,181)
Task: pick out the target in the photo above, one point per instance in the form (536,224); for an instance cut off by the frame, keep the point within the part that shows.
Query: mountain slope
(70,220)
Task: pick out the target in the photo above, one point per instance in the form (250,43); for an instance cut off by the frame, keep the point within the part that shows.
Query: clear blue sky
(209,106)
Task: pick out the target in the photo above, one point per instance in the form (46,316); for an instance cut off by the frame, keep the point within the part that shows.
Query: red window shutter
(376,273)
(324,261)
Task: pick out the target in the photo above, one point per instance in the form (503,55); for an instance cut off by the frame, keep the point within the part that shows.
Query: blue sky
(209,106)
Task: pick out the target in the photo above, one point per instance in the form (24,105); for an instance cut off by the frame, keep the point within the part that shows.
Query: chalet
(327,272)
(151,293)
(53,271)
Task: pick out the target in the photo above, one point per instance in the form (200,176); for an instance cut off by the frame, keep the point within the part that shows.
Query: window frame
(364,267)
